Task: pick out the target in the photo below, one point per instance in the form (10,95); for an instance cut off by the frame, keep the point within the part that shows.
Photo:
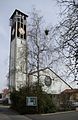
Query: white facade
(57,84)
(17,64)
(20,63)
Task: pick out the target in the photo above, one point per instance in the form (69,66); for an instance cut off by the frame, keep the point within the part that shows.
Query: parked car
(1,101)
(75,104)
(5,100)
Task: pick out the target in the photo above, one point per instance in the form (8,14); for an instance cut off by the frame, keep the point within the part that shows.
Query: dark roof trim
(18,11)
(61,78)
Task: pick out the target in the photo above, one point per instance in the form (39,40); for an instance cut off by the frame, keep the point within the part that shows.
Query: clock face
(21,30)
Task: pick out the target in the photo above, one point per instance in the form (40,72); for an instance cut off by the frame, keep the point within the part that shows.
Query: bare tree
(68,35)
(39,44)
(42,49)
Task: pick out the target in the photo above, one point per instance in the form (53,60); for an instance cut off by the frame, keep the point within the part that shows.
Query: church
(18,76)
(17,46)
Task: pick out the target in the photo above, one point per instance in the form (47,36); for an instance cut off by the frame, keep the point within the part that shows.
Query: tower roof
(18,12)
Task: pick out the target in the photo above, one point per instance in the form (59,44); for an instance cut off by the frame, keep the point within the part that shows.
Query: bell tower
(17,62)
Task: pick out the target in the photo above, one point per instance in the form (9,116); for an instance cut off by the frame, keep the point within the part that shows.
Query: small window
(21,20)
(21,36)
(0,96)
(18,19)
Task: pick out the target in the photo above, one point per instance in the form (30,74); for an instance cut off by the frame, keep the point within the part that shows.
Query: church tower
(17,62)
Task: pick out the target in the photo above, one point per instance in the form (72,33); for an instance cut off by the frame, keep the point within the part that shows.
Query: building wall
(17,67)
(57,84)
(17,63)
(20,62)
(12,64)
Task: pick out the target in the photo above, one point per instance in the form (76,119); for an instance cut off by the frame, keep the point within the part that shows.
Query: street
(56,116)
(7,114)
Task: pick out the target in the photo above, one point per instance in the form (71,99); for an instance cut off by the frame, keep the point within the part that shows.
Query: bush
(18,99)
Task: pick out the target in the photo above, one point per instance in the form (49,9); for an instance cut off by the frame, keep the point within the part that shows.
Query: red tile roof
(70,91)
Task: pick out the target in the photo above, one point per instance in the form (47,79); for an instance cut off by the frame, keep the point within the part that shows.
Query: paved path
(7,114)
(73,115)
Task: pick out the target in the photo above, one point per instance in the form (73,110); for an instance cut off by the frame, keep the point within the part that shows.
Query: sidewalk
(58,113)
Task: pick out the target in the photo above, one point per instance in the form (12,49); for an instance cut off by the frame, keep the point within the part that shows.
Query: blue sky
(49,11)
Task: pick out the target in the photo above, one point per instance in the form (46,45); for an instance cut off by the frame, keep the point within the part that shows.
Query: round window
(47,81)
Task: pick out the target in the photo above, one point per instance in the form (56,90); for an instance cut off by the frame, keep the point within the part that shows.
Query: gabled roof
(19,12)
(52,72)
